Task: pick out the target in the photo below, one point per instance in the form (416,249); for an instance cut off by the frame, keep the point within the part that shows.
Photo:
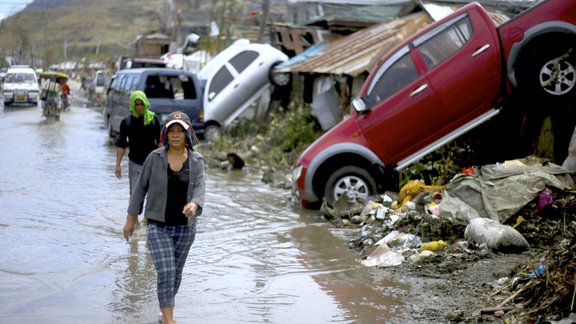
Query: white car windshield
(20,78)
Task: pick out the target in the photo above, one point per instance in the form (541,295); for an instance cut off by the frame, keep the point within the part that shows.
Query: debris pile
(546,287)
(438,231)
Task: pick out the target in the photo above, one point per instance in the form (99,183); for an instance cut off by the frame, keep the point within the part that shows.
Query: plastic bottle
(433,246)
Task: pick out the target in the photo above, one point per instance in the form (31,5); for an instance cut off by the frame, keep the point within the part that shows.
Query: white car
(234,79)
(20,86)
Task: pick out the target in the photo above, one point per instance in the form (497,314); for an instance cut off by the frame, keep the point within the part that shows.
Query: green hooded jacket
(148,115)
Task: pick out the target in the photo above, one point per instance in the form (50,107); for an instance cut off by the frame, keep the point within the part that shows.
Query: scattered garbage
(461,244)
(498,237)
(401,240)
(433,246)
(496,310)
(484,211)
(538,272)
(570,161)
(546,200)
(422,256)
(382,256)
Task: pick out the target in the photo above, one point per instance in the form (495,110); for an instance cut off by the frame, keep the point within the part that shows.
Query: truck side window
(444,41)
(393,78)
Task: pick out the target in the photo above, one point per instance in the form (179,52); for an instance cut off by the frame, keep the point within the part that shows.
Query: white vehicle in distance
(20,86)
(233,80)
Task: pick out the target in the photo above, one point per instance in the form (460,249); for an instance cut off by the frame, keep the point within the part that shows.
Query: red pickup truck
(435,86)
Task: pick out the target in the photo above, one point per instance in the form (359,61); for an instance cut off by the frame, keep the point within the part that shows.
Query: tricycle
(54,93)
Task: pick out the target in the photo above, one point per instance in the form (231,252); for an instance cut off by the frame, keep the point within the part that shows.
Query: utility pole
(65,51)
(223,25)
(264,19)
(98,47)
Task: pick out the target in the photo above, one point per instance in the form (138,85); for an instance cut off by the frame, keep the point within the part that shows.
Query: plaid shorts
(169,247)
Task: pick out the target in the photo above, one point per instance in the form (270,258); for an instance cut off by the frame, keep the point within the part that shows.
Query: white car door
(231,86)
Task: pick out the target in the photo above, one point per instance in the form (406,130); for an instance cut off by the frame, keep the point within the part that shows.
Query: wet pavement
(257,258)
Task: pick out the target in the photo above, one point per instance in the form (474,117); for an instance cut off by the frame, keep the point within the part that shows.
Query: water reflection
(134,293)
(256,259)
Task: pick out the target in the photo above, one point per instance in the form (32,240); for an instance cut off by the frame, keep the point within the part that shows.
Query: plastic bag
(570,161)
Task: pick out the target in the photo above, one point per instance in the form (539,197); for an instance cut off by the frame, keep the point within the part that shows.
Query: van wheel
(352,181)
(111,133)
(211,132)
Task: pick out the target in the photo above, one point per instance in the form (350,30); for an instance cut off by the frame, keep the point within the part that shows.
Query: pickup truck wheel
(551,75)
(352,181)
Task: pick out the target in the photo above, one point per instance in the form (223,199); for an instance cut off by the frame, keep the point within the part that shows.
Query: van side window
(183,87)
(442,42)
(111,87)
(116,85)
(133,83)
(122,86)
(220,80)
(391,78)
(158,87)
(188,86)
(241,61)
(176,87)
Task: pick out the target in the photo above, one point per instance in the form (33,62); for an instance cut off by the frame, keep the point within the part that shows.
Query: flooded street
(257,258)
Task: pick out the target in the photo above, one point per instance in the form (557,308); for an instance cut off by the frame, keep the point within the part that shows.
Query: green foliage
(295,130)
(278,143)
(438,167)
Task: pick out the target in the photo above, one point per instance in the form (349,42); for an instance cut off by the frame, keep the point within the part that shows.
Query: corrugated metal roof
(357,53)
(356,2)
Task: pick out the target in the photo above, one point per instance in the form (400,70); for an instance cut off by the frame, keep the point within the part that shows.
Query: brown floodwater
(258,257)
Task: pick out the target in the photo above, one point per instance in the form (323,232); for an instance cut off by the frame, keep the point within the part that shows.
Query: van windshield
(20,78)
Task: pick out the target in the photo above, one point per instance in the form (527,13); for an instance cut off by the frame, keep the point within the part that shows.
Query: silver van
(167,90)
(20,86)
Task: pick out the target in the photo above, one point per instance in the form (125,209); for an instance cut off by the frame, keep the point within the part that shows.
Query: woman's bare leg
(167,315)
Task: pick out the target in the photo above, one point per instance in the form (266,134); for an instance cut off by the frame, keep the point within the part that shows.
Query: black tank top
(177,193)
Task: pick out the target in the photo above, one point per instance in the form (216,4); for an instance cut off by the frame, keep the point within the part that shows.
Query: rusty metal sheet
(357,53)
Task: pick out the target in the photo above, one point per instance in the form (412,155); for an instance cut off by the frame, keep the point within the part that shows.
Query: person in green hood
(140,132)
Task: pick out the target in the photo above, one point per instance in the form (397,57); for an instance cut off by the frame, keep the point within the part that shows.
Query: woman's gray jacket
(153,185)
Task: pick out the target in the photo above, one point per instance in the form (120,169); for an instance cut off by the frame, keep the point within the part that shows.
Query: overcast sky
(8,7)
